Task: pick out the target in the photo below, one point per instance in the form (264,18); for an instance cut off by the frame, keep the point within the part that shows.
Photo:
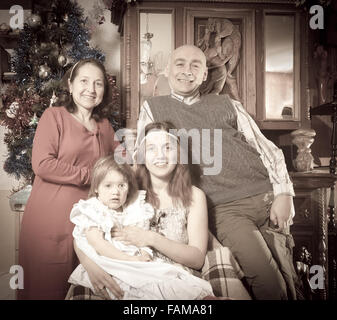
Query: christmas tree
(51,42)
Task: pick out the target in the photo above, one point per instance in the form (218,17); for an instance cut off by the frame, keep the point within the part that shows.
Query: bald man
(250,195)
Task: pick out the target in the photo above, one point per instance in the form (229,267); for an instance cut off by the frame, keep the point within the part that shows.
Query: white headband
(72,69)
(149,134)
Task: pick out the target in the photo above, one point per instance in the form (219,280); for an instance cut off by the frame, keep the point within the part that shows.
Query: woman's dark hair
(103,109)
(180,184)
(106,164)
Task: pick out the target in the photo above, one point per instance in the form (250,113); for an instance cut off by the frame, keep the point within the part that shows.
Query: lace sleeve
(88,213)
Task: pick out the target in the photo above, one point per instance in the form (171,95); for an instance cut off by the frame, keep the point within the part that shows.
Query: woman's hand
(132,235)
(98,277)
(102,280)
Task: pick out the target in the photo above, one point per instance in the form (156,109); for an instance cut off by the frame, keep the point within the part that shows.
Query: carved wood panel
(243,77)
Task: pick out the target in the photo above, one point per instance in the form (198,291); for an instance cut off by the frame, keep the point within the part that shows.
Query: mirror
(280,66)
(155,46)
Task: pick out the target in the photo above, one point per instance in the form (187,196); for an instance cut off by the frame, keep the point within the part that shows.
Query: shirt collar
(187,100)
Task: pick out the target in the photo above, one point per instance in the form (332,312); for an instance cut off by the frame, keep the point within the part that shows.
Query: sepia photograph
(175,151)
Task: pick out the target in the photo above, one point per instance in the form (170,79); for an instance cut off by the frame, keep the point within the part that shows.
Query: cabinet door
(278,68)
(310,229)
(149,38)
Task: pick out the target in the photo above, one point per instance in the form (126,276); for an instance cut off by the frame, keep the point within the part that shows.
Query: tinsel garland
(20,63)
(18,162)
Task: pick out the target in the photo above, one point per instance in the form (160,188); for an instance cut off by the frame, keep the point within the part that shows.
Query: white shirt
(271,156)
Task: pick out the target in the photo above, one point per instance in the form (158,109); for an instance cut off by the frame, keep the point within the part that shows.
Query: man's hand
(280,211)
(131,235)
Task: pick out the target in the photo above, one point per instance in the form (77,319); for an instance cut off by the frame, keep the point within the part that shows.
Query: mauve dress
(64,152)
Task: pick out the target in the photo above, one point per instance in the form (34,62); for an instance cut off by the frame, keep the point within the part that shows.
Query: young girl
(115,202)
(180,231)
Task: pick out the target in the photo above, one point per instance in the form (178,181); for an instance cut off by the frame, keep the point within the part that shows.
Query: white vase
(303,139)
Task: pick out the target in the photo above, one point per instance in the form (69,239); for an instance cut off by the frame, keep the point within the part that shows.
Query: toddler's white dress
(155,280)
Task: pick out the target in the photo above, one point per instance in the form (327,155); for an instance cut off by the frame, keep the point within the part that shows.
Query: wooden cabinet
(9,41)
(310,228)
(147,37)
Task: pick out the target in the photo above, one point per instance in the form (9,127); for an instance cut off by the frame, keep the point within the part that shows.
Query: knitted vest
(240,173)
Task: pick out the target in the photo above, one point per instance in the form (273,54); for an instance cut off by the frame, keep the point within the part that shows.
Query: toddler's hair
(103,166)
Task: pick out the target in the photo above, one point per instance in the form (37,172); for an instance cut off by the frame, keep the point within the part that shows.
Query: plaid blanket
(224,274)
(220,269)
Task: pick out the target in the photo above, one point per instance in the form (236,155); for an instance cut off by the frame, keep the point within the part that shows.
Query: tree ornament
(53,99)
(35,50)
(34,120)
(43,48)
(34,21)
(62,60)
(44,71)
(12,110)
(66,17)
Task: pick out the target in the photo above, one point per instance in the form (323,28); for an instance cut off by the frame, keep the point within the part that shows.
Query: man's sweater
(239,172)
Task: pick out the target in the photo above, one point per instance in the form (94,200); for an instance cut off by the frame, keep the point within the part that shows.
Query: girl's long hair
(180,183)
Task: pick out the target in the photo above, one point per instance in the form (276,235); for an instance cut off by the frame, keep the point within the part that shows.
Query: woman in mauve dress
(68,141)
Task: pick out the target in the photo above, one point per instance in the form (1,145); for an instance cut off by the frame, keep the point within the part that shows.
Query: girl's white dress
(139,280)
